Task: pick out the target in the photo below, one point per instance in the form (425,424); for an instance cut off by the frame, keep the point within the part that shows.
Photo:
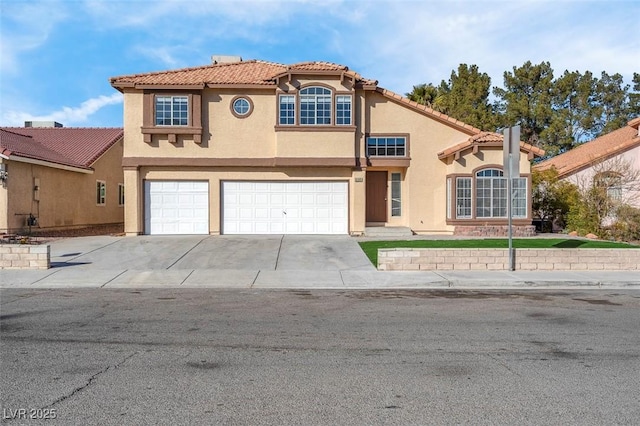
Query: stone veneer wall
(414,259)
(494,231)
(25,256)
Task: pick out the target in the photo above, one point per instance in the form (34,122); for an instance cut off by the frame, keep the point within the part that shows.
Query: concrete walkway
(266,262)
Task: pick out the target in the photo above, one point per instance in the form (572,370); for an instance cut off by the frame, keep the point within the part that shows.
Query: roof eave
(457,150)
(70,168)
(578,167)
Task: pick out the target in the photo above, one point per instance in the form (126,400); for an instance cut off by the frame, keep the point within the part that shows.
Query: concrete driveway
(261,252)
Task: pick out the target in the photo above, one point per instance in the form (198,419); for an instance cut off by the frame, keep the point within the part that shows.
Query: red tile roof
(252,72)
(486,139)
(76,147)
(262,73)
(601,148)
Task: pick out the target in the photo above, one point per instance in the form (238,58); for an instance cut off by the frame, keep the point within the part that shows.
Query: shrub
(627,224)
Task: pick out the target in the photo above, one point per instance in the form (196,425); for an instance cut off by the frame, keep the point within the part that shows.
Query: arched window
(483,195)
(491,193)
(315,106)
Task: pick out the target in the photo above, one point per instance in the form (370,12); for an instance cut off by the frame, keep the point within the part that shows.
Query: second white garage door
(285,207)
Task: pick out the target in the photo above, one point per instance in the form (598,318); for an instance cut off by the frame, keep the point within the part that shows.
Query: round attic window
(241,107)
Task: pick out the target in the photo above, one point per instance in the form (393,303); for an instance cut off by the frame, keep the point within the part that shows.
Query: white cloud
(68,116)
(164,55)
(407,43)
(26,26)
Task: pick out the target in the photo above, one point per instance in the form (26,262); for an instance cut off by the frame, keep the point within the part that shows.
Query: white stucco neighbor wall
(631,194)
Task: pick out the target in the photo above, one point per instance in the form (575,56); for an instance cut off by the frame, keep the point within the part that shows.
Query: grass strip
(370,248)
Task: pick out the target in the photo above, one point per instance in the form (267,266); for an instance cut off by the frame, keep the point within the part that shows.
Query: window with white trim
(343,110)
(315,106)
(101,193)
(463,198)
(121,194)
(241,106)
(172,111)
(491,195)
(396,194)
(287,110)
(484,196)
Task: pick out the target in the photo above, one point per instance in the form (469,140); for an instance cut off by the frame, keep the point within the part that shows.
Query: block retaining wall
(416,259)
(494,231)
(25,256)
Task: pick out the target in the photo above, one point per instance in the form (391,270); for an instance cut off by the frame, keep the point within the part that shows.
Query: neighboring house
(56,178)
(604,161)
(254,147)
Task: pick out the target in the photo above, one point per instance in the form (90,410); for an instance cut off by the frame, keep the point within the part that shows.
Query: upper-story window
(241,106)
(343,110)
(386,146)
(287,109)
(315,106)
(172,110)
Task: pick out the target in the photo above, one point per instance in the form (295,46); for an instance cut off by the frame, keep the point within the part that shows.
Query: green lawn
(370,248)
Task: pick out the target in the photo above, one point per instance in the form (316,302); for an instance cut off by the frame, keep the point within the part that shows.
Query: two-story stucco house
(254,147)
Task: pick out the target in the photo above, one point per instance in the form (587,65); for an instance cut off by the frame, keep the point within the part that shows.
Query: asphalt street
(203,356)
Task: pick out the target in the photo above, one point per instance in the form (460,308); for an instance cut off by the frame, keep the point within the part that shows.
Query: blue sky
(56,56)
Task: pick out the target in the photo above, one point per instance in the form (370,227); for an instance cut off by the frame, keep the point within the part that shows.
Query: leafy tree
(467,97)
(552,198)
(464,97)
(526,99)
(612,184)
(575,113)
(426,94)
(627,225)
(614,103)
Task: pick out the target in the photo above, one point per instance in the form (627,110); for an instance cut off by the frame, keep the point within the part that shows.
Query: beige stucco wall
(134,223)
(424,186)
(258,136)
(66,199)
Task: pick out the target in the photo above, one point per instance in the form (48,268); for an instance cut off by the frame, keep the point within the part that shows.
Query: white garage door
(176,207)
(285,207)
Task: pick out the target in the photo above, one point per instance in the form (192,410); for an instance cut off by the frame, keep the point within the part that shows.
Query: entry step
(387,231)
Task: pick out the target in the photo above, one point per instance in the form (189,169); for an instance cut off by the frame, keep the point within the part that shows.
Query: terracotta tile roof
(76,147)
(252,72)
(262,73)
(486,139)
(245,72)
(601,148)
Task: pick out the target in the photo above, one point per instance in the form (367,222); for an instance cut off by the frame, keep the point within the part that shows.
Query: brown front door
(376,197)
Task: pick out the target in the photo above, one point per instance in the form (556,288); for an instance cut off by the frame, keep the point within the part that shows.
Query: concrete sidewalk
(314,279)
(266,262)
